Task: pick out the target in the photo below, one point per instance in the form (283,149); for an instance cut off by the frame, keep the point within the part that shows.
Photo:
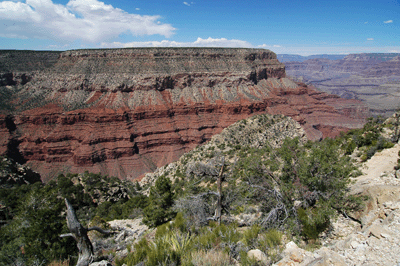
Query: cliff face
(124,112)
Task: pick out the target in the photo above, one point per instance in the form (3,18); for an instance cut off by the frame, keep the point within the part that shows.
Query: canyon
(125,112)
(371,78)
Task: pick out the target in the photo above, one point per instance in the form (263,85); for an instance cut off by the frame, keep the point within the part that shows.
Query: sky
(303,27)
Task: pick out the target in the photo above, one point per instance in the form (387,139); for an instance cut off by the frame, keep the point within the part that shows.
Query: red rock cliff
(124,112)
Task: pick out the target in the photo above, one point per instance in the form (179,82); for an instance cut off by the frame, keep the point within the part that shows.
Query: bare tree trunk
(397,125)
(218,210)
(79,233)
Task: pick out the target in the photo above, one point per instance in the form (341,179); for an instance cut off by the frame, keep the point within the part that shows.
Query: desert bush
(217,236)
(314,221)
(369,139)
(250,236)
(178,224)
(207,258)
(167,249)
(196,210)
(316,175)
(350,147)
(138,253)
(271,238)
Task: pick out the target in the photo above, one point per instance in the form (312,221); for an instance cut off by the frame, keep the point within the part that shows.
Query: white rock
(354,244)
(258,255)
(101,263)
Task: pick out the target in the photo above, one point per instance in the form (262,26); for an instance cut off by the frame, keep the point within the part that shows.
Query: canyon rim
(125,112)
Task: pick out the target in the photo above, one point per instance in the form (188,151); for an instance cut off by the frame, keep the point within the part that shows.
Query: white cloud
(388,21)
(87,20)
(370,39)
(210,42)
(186,3)
(137,9)
(222,42)
(269,46)
(57,47)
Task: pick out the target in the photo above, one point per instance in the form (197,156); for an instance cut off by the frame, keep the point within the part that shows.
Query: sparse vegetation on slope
(294,188)
(268,182)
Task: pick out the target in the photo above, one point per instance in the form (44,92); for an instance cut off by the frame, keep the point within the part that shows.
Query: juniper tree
(160,201)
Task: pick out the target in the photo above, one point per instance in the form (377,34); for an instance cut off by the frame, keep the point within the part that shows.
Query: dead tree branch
(79,233)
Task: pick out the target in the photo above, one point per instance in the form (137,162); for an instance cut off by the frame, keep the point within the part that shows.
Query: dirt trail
(380,163)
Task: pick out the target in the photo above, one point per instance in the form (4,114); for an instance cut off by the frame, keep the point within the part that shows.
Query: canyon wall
(124,112)
(371,78)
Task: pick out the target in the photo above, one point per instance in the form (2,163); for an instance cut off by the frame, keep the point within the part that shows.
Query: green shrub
(211,237)
(168,248)
(138,254)
(180,222)
(35,228)
(350,147)
(313,221)
(159,209)
(160,253)
(163,230)
(250,236)
(271,238)
(364,158)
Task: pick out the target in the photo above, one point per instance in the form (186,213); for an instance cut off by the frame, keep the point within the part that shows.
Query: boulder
(258,255)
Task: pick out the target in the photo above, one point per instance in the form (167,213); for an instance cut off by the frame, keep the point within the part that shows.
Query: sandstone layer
(125,112)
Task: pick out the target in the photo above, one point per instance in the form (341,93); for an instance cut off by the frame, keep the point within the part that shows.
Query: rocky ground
(125,232)
(375,240)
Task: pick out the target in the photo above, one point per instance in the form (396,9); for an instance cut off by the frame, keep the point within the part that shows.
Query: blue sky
(296,27)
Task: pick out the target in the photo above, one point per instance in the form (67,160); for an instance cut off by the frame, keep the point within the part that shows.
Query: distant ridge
(370,77)
(299,58)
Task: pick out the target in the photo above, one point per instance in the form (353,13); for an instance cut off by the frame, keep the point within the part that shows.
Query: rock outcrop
(12,173)
(125,112)
(256,132)
(125,233)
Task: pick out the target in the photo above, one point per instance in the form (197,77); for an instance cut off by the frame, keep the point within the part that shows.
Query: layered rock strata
(371,78)
(125,112)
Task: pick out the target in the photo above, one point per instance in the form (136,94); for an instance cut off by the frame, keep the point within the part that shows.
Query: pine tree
(160,201)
